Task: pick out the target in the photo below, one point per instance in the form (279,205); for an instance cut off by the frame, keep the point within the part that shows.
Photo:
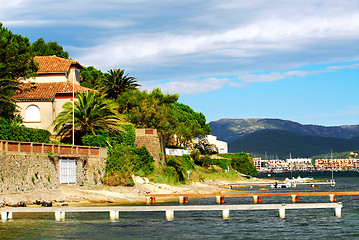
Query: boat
(299,180)
(281,185)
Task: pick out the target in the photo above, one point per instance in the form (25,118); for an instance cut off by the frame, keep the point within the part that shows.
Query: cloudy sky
(291,59)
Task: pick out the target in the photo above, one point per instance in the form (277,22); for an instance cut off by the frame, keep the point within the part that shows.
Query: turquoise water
(298,224)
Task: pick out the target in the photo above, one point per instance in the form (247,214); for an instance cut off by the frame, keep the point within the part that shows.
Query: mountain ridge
(278,137)
(229,129)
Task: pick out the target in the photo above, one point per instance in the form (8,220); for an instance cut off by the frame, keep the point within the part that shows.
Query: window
(32,114)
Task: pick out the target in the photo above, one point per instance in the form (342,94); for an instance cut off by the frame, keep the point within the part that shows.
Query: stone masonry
(152,141)
(26,166)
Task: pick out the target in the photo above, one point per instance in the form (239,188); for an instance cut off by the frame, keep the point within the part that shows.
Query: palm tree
(92,114)
(116,82)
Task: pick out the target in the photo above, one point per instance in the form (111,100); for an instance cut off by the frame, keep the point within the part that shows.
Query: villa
(57,81)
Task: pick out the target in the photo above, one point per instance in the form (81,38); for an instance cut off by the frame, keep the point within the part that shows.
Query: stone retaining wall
(152,141)
(28,166)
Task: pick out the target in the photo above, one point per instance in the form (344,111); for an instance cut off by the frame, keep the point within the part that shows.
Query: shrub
(15,132)
(242,163)
(123,161)
(127,137)
(145,163)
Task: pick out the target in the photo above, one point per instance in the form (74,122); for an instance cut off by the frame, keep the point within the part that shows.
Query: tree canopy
(16,61)
(92,114)
(116,82)
(163,112)
(91,77)
(41,48)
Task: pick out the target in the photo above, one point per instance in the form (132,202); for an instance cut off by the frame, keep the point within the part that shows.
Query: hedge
(14,132)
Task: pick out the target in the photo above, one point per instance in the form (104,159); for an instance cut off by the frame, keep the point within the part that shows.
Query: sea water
(259,224)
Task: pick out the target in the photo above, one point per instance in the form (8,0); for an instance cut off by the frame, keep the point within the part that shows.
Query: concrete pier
(6,213)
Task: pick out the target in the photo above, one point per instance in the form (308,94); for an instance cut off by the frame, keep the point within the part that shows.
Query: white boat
(299,180)
(281,185)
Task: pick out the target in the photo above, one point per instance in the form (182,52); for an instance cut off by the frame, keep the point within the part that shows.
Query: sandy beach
(83,195)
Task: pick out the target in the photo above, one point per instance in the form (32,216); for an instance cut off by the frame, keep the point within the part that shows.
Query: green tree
(91,77)
(116,82)
(16,62)
(41,48)
(92,114)
(189,123)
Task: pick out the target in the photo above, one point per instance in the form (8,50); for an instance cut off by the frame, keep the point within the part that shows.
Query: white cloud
(189,87)
(275,76)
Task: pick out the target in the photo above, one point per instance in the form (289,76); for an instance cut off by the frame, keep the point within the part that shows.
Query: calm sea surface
(298,224)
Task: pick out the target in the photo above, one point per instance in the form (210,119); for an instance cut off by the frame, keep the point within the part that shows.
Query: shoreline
(119,195)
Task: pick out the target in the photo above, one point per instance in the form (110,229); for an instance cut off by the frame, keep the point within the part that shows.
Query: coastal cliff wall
(26,166)
(152,141)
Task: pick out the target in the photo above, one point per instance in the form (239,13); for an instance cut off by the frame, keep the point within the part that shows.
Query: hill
(279,143)
(230,130)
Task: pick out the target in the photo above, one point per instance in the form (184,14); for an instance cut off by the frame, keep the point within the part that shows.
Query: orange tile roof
(54,64)
(48,91)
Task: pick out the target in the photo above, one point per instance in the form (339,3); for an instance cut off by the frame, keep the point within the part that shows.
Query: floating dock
(114,212)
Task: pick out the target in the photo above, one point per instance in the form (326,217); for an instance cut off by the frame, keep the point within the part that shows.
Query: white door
(67,170)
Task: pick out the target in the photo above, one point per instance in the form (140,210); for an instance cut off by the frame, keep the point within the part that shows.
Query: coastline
(86,195)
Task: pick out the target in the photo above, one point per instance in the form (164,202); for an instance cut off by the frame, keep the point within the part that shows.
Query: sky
(296,60)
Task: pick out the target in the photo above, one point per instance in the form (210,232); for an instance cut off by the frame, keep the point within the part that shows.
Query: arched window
(32,114)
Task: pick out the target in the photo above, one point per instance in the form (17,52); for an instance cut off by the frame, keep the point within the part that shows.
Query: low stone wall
(176,152)
(152,141)
(28,166)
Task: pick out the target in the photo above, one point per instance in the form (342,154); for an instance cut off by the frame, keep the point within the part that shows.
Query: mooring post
(58,216)
(148,200)
(4,216)
(114,215)
(332,198)
(257,199)
(225,213)
(169,215)
(338,210)
(180,199)
(218,199)
(185,200)
(282,211)
(295,198)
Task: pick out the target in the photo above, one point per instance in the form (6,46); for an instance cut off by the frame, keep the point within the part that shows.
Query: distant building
(221,146)
(49,91)
(300,164)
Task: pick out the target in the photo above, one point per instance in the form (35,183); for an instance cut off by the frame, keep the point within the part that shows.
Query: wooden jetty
(220,197)
(7,213)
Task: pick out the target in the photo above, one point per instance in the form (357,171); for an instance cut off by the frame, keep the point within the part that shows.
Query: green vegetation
(100,119)
(92,114)
(115,82)
(336,155)
(202,167)
(91,77)
(123,161)
(16,61)
(278,143)
(41,48)
(242,163)
(10,130)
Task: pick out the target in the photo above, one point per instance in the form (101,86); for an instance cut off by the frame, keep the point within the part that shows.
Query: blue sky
(291,59)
